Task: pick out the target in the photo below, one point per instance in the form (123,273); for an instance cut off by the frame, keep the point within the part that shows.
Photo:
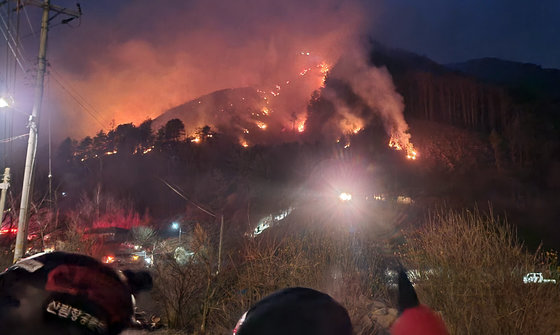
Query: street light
(345,196)
(177,226)
(4,102)
(207,212)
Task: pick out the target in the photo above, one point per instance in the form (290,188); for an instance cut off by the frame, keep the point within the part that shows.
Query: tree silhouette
(174,130)
(126,138)
(205,134)
(100,142)
(145,134)
(66,150)
(84,148)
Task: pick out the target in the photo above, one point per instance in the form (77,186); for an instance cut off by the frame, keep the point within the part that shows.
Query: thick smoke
(374,88)
(137,61)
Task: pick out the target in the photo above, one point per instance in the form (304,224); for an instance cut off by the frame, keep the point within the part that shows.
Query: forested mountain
(516,103)
(479,141)
(528,82)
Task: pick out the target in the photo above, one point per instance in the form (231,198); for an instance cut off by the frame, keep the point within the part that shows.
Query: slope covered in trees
(477,141)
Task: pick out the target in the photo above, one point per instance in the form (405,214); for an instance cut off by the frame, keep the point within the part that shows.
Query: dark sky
(444,30)
(130,60)
(452,30)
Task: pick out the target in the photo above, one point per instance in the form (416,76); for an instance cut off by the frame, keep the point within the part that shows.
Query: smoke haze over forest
(134,60)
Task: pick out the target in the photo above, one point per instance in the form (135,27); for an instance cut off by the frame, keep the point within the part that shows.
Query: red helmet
(415,319)
(62,293)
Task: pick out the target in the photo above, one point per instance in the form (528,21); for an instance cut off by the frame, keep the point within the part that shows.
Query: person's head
(67,294)
(299,310)
(415,318)
(295,311)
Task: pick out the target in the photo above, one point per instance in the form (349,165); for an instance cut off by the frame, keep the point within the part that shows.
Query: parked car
(129,259)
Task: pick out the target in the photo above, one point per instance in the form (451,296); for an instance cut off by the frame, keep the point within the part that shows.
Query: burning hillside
(272,115)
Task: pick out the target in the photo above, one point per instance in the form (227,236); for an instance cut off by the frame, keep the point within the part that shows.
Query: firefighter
(67,294)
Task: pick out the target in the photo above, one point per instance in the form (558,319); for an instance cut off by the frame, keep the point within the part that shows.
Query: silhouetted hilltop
(213,108)
(529,82)
(399,61)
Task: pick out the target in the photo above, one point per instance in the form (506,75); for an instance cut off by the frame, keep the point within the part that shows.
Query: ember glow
(108,259)
(8,231)
(304,71)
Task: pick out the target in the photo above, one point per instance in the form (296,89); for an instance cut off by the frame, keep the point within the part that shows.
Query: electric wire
(6,61)
(11,48)
(60,81)
(12,42)
(28,21)
(75,92)
(74,96)
(18,43)
(182,195)
(17,51)
(11,73)
(10,139)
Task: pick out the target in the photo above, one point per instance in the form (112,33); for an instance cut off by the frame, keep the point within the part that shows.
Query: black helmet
(67,294)
(295,311)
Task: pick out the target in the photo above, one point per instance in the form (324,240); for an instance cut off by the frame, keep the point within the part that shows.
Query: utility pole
(4,186)
(220,244)
(23,223)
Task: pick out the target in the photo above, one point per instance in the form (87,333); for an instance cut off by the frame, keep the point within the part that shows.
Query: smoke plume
(136,61)
(374,89)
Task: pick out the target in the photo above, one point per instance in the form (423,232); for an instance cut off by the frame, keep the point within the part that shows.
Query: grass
(471,268)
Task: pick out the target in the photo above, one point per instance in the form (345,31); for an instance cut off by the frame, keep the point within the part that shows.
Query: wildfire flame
(411,153)
(315,70)
(8,231)
(244,143)
(304,71)
(324,68)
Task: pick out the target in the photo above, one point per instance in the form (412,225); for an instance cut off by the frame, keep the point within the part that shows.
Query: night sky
(130,60)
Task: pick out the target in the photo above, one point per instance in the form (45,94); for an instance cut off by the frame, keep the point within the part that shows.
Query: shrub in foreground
(470,267)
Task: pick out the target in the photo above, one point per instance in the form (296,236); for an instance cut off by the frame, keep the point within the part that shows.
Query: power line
(188,199)
(7,140)
(14,41)
(16,57)
(20,58)
(28,21)
(75,92)
(81,101)
(75,97)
